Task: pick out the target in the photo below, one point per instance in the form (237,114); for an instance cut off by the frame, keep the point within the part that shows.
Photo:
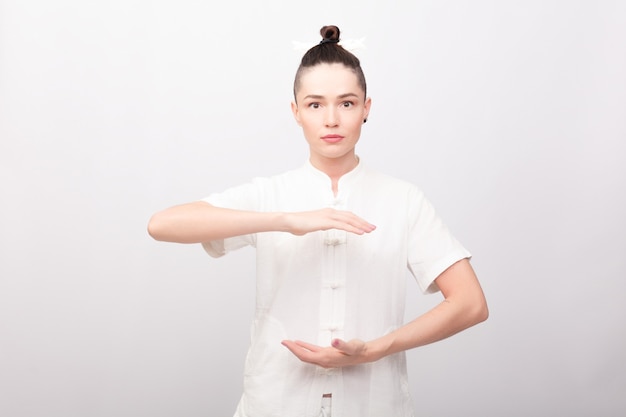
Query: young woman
(333,242)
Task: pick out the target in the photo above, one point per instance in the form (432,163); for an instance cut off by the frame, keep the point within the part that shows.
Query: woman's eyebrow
(319,97)
(313,97)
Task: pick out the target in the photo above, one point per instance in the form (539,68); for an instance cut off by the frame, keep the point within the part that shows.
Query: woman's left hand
(339,354)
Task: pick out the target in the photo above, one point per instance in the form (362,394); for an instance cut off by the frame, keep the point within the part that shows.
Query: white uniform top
(334,284)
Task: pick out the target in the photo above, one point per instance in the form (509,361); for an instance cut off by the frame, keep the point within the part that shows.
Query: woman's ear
(296,113)
(366,106)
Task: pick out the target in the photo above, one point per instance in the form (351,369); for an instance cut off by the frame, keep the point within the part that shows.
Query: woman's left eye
(347,104)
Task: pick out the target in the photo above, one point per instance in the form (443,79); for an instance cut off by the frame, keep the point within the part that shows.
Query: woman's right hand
(301,223)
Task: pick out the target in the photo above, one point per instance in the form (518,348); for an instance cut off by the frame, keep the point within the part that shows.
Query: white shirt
(334,284)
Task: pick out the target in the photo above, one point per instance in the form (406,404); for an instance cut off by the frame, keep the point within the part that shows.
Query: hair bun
(330,34)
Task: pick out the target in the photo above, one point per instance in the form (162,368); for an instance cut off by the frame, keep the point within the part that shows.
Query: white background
(511,115)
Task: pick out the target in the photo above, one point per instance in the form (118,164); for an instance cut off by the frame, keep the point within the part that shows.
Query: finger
(298,346)
(359,223)
(351,223)
(351,348)
(301,353)
(342,346)
(308,346)
(295,349)
(358,228)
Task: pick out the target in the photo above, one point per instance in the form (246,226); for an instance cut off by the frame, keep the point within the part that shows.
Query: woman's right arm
(199,222)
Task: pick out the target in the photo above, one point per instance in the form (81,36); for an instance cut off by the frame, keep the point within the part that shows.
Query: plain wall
(511,116)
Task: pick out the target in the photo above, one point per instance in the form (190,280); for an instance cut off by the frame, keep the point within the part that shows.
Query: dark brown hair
(328,51)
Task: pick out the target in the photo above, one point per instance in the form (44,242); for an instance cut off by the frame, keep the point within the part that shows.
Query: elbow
(473,311)
(155,228)
(483,312)
(480,311)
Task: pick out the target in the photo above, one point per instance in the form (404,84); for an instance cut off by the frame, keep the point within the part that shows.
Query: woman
(333,241)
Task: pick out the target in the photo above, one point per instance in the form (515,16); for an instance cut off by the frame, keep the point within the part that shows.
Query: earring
(364,120)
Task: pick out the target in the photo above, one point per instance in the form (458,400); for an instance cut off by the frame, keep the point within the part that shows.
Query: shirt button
(326,371)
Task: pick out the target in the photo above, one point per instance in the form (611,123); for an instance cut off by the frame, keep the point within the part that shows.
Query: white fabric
(334,284)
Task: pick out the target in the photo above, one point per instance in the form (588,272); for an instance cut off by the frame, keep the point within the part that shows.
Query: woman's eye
(314,105)
(347,104)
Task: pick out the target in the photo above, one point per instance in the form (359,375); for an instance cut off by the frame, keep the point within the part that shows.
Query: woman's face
(331,107)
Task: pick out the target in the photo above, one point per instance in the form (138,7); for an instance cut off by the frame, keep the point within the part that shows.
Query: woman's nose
(331,117)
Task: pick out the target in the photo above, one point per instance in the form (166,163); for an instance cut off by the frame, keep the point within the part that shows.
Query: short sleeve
(242,197)
(432,247)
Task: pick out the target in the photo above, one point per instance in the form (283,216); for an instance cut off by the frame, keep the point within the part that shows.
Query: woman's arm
(464,305)
(199,222)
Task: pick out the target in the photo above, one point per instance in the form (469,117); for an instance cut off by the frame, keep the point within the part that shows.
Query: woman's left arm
(464,305)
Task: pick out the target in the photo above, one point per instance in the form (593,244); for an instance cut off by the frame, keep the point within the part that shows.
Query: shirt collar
(346,179)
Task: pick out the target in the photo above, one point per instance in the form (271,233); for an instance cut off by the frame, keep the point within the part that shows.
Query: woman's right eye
(314,105)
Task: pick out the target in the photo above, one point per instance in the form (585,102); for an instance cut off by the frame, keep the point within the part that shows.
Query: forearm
(201,222)
(441,322)
(464,305)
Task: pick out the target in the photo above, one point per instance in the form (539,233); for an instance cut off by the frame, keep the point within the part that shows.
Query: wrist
(283,221)
(376,349)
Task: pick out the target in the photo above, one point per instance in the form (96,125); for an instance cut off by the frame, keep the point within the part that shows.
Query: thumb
(339,345)
(349,348)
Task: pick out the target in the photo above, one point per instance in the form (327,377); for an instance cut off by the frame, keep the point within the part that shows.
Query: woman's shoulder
(388,181)
(294,174)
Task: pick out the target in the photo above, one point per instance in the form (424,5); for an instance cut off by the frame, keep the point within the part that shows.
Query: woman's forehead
(329,79)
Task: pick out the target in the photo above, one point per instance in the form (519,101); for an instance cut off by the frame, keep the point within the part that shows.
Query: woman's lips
(332,138)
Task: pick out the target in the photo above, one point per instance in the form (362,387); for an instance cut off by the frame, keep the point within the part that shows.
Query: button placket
(332,302)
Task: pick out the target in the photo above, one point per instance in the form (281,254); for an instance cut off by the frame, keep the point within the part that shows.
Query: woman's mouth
(332,138)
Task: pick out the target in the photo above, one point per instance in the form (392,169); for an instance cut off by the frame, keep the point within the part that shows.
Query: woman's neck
(335,168)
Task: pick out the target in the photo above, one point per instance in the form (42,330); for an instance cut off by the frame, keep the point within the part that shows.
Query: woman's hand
(301,223)
(339,354)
